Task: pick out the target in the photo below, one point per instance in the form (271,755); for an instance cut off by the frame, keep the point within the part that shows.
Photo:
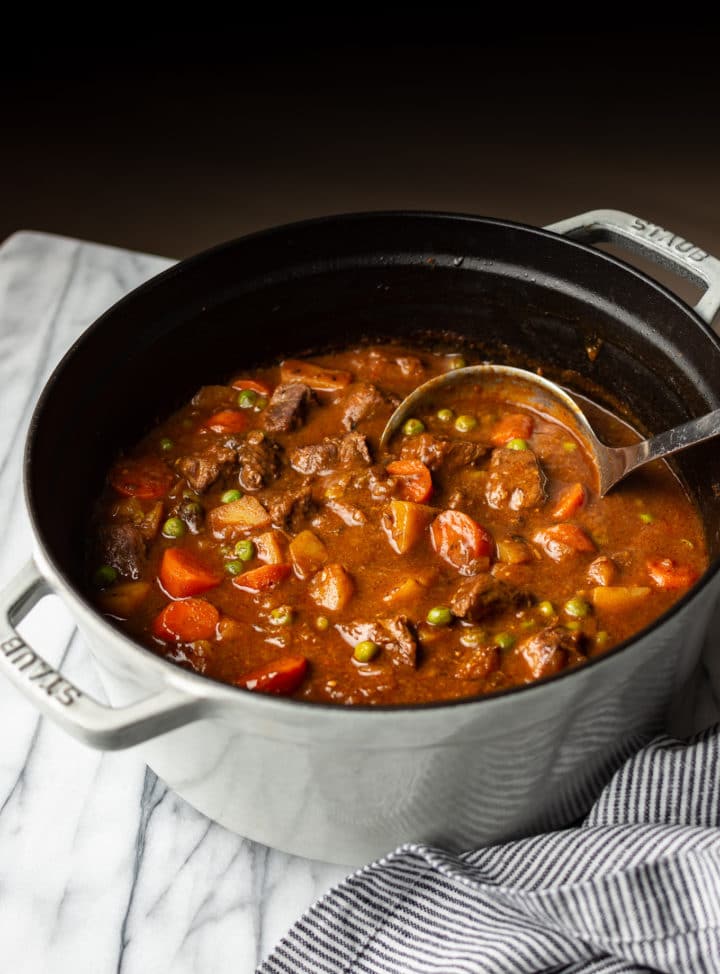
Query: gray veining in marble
(102,868)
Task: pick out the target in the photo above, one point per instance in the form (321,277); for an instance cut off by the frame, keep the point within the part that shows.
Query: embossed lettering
(50,687)
(668,239)
(69,694)
(10,645)
(23,658)
(38,675)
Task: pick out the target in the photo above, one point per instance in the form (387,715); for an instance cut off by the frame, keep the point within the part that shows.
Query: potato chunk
(618,598)
(307,553)
(245,514)
(123,599)
(271,547)
(404,523)
(332,588)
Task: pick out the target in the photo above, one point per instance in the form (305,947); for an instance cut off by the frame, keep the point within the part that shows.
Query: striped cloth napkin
(634,888)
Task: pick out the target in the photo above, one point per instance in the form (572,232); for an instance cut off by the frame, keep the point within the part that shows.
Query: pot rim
(205,687)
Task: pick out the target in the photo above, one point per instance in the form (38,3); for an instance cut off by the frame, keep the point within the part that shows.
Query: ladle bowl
(612,463)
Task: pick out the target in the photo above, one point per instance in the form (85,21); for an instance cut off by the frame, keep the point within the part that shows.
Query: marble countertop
(102,868)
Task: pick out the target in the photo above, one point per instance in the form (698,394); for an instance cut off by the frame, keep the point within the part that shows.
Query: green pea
(527,624)
(546,609)
(413,427)
(602,639)
(282,616)
(189,494)
(104,576)
(569,446)
(577,608)
(245,550)
(230,495)
(445,415)
(465,423)
(247,399)
(234,567)
(517,443)
(261,402)
(322,623)
(365,651)
(166,444)
(457,362)
(573,625)
(646,518)
(440,616)
(174,527)
(504,640)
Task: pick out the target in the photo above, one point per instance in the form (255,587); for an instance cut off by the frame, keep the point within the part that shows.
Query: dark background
(171,138)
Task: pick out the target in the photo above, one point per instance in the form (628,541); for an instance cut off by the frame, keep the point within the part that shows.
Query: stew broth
(258,537)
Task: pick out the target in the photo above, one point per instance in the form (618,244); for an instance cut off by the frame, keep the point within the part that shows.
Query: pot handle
(653,242)
(93,723)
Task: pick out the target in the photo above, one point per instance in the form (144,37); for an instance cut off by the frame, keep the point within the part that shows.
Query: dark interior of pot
(520,295)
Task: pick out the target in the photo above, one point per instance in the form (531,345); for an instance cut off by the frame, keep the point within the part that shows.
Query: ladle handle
(653,242)
(672,441)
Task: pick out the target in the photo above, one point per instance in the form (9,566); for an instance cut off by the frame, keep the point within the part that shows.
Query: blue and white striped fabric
(635,888)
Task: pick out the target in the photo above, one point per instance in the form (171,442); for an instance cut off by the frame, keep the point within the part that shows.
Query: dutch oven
(332,782)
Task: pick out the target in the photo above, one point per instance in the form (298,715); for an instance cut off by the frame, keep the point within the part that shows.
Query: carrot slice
(314,376)
(145,477)
(561,540)
(665,573)
(261,388)
(459,540)
(281,677)
(415,480)
(570,500)
(186,621)
(262,578)
(182,574)
(227,421)
(513,426)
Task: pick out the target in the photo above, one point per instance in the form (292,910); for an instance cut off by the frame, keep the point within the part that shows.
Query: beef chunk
(478,663)
(362,402)
(289,507)
(259,461)
(543,654)
(122,545)
(353,449)
(402,643)
(348,513)
(287,407)
(202,469)
(436,452)
(482,595)
(215,398)
(333,452)
(515,480)
(392,633)
(192,513)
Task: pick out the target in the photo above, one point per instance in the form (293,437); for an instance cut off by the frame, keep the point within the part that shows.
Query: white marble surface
(102,868)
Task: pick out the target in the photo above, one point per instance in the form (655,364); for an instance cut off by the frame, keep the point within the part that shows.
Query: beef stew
(258,537)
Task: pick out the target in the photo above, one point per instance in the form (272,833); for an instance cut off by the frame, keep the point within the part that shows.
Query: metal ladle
(541,395)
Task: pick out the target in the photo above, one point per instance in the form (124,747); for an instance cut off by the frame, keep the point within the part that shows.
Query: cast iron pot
(347,784)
